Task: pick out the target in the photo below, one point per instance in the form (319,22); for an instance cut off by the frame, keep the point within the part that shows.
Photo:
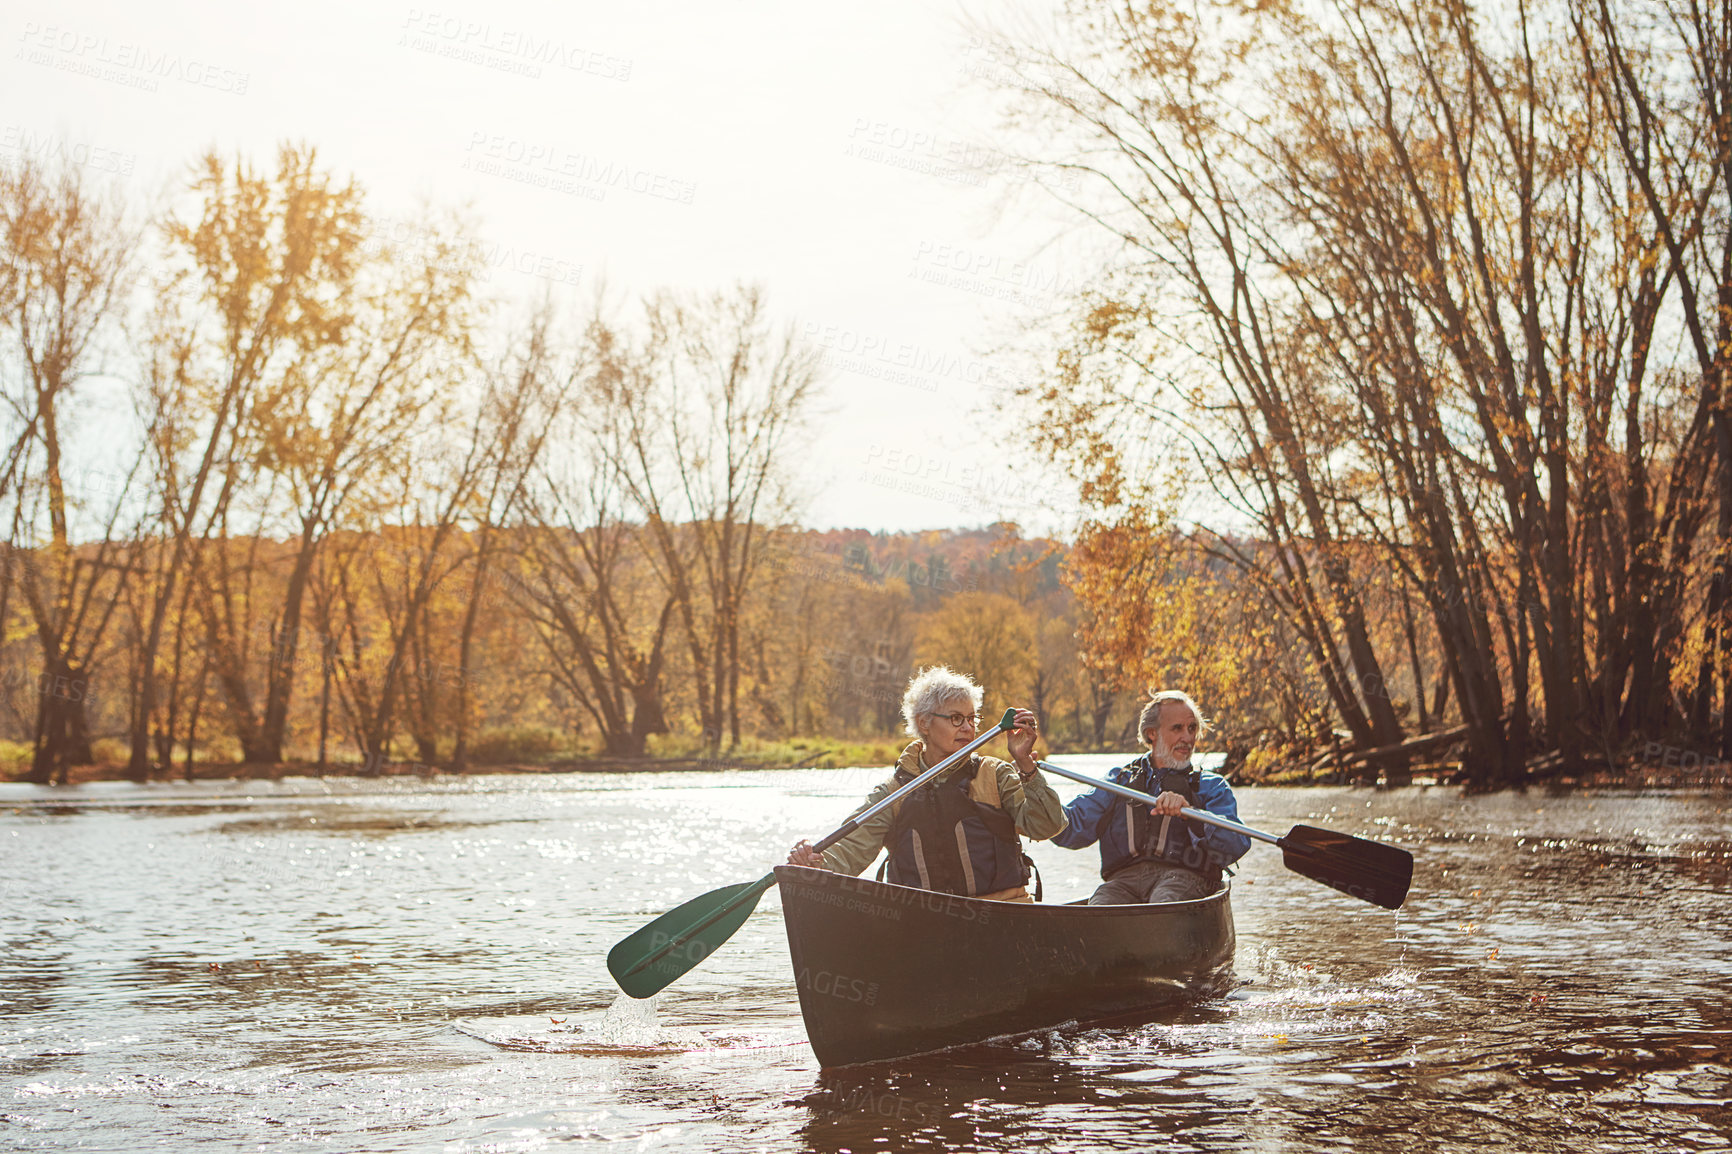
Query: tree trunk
(285,649)
(465,653)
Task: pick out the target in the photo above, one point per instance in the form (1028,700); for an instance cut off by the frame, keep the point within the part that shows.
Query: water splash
(630,1027)
(635,1024)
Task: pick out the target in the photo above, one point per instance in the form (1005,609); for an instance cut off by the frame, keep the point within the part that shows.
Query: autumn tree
(870,654)
(329,426)
(257,277)
(696,411)
(525,402)
(987,636)
(1661,73)
(794,632)
(1387,277)
(66,268)
(585,581)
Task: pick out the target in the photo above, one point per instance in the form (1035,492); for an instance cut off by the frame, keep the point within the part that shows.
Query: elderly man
(959,833)
(1151,854)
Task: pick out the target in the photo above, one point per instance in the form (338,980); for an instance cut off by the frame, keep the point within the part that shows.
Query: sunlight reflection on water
(417,964)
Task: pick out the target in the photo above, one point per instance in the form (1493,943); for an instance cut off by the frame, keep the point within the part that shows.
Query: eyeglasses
(957,719)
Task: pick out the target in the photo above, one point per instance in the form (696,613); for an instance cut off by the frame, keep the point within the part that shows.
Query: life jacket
(942,839)
(1161,838)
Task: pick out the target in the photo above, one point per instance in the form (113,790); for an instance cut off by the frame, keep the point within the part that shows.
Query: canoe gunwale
(1153,912)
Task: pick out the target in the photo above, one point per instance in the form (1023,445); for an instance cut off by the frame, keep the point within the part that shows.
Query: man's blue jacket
(1097,816)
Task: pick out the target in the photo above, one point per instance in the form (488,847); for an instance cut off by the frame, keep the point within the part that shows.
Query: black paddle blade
(647,961)
(1367,870)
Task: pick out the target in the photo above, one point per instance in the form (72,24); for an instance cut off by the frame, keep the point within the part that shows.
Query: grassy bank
(1639,766)
(669,754)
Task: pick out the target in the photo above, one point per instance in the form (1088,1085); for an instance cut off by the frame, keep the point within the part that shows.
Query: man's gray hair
(1151,715)
(934,687)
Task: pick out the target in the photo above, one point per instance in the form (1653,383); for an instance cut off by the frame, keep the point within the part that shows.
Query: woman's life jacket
(941,839)
(1162,838)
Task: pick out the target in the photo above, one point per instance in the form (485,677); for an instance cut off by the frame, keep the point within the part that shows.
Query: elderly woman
(958,833)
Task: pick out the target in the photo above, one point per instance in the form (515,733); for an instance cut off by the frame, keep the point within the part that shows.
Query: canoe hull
(886,971)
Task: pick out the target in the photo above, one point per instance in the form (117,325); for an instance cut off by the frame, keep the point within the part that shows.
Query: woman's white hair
(1151,715)
(934,687)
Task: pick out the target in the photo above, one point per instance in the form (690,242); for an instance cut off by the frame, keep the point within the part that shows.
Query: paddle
(650,959)
(1368,870)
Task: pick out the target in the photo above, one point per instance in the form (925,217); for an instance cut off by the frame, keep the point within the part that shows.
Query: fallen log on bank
(1393,758)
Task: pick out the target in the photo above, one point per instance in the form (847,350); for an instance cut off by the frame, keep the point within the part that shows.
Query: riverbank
(794,753)
(1636,774)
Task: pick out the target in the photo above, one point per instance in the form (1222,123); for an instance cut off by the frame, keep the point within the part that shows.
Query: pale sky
(838,155)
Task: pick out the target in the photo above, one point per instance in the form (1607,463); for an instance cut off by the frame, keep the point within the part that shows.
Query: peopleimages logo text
(497,155)
(79,51)
(423,29)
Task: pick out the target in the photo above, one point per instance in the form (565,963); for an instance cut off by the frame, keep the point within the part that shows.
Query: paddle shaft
(755,891)
(1139,795)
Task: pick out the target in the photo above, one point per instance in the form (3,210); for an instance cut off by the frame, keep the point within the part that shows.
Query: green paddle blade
(647,961)
(1367,870)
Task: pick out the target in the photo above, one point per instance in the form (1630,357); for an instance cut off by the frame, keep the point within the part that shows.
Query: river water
(418,964)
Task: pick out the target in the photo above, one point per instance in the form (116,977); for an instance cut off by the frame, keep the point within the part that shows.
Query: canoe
(886,971)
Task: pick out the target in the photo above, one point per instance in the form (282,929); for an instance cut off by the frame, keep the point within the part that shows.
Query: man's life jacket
(941,839)
(1165,838)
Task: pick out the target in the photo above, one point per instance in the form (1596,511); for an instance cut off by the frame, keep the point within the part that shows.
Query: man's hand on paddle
(1168,804)
(804,855)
